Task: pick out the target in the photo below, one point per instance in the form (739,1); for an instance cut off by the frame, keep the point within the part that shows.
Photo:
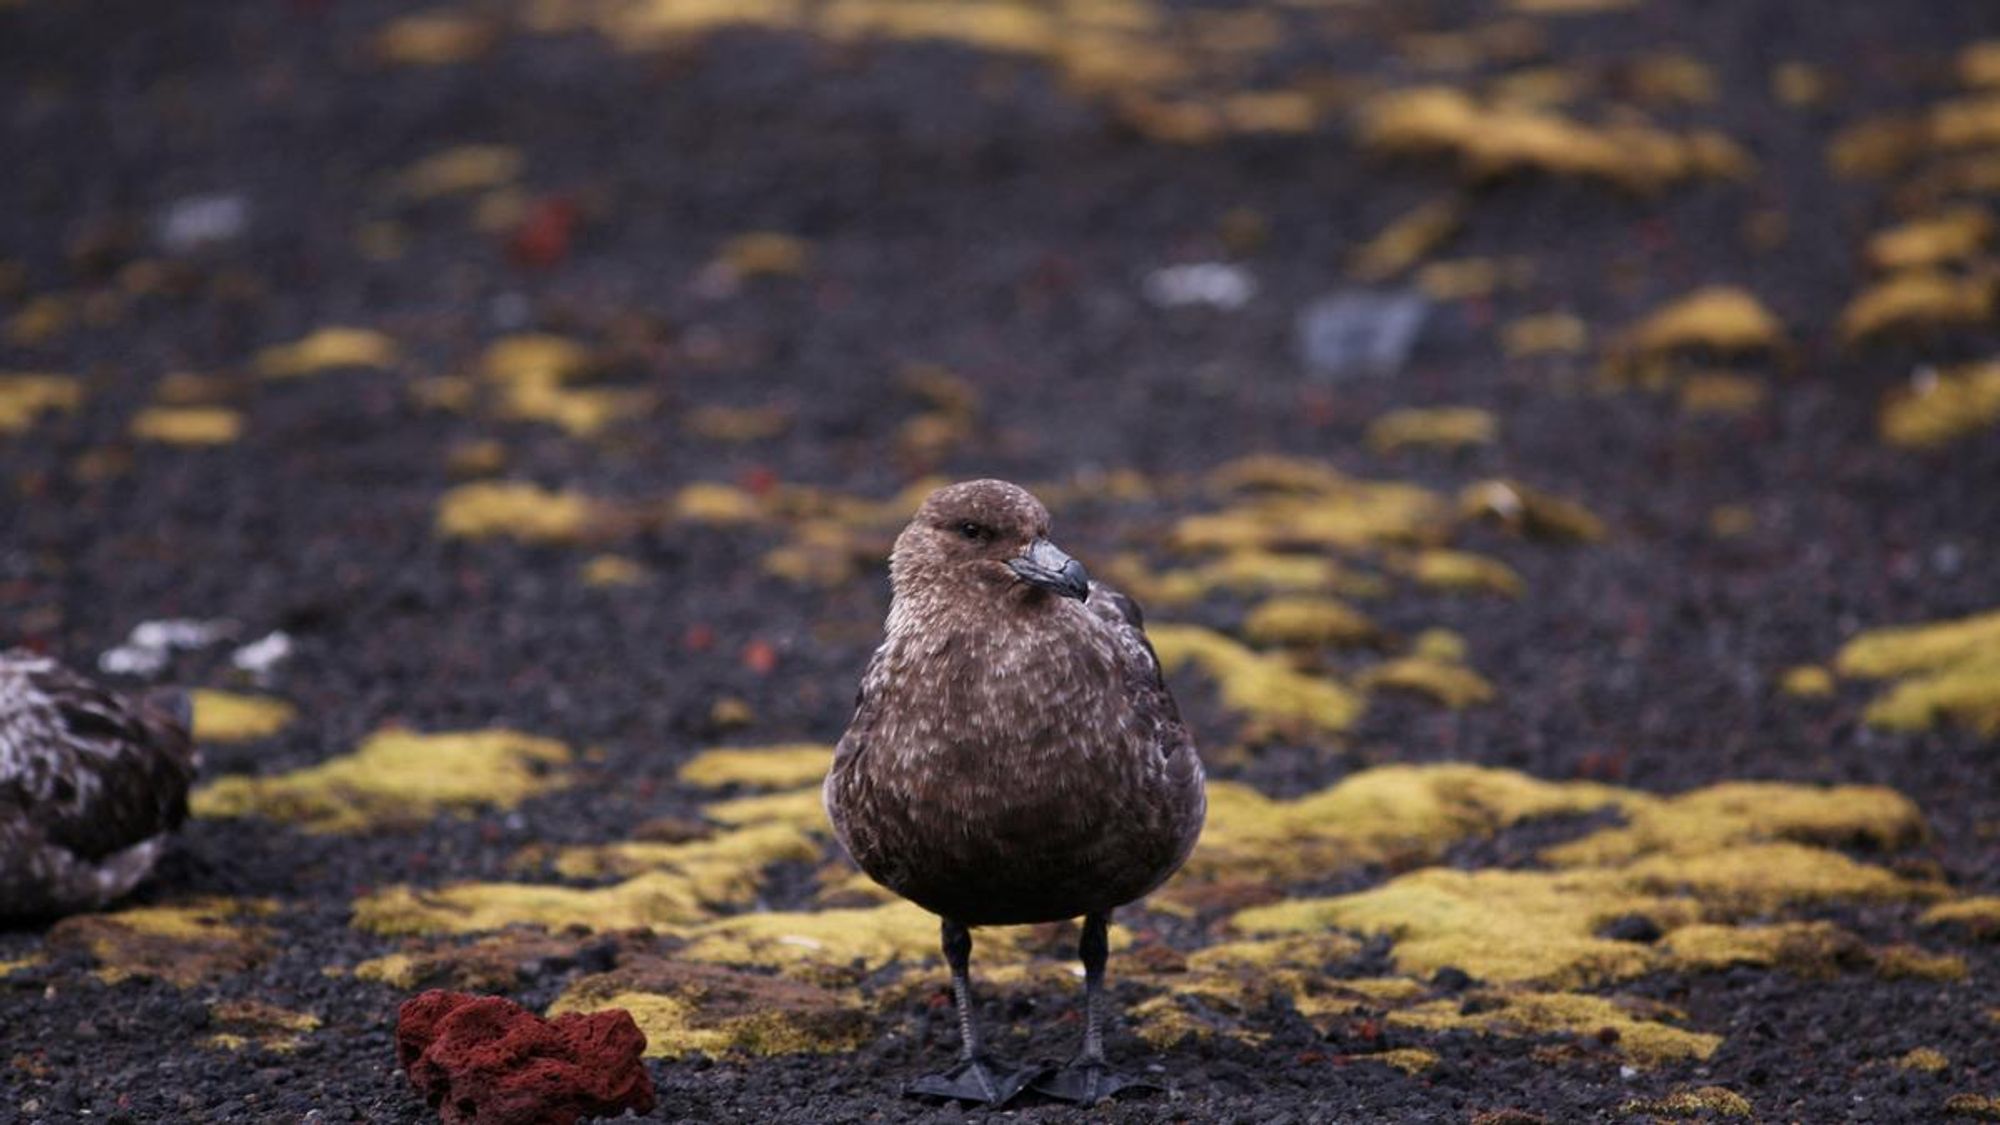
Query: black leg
(976,1078)
(1086,1080)
(958,954)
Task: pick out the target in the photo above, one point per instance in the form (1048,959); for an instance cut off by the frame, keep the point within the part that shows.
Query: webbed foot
(1087,1082)
(980,1079)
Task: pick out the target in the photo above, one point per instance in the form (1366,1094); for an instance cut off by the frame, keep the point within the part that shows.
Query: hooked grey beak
(1045,565)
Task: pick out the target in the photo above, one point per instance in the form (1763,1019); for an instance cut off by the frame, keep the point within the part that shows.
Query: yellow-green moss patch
(1709,1101)
(461,169)
(1908,962)
(801,808)
(222,716)
(1499,137)
(668,885)
(396,777)
(1807,681)
(1927,1060)
(1948,671)
(1308,621)
(184,943)
(1917,300)
(1241,572)
(237,1024)
(655,899)
(1979,916)
(722,868)
(515,510)
(1263,687)
(1447,427)
(607,571)
(1409,1060)
(1556,333)
(1442,569)
(686,1009)
(25,397)
(499,963)
(762,767)
(1978,1106)
(1938,408)
(8,968)
(1447,682)
(325,350)
(1636,1026)
(1953,234)
(535,373)
(1806,948)
(1295,503)
(1530,511)
(1732,813)
(1685,863)
(188,425)
(1498,925)
(1392,811)
(1717,319)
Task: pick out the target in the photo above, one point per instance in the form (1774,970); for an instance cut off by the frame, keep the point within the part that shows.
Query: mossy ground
(1599,707)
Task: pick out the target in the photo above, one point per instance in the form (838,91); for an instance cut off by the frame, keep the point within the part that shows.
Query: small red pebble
(542,240)
(485,1060)
(760,657)
(759,480)
(698,638)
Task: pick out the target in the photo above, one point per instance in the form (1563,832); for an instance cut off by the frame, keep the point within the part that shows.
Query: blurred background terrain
(1555,442)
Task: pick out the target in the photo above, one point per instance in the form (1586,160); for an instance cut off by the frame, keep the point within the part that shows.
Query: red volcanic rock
(485,1060)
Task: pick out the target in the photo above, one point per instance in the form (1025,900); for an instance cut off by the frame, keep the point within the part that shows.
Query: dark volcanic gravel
(962,209)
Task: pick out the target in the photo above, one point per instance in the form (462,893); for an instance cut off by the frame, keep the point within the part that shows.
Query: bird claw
(1087,1083)
(979,1080)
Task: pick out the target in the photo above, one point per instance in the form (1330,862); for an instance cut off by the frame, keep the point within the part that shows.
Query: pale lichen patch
(396,777)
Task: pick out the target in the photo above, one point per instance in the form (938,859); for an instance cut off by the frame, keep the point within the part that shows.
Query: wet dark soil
(999,227)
